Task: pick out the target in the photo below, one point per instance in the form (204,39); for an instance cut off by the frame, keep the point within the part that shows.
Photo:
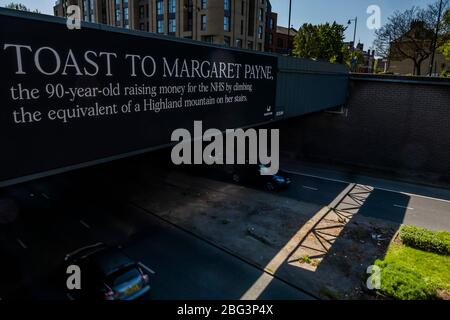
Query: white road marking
(310,188)
(314,176)
(22,244)
(378,188)
(146,268)
(403,207)
(45,196)
(85,224)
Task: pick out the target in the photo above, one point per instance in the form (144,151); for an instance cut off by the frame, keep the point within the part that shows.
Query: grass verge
(411,274)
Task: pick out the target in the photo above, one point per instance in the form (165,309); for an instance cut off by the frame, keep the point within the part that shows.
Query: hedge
(427,240)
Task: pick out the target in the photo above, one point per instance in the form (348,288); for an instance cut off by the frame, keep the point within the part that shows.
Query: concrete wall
(400,125)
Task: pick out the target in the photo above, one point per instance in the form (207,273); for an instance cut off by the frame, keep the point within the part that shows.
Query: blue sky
(320,11)
(313,11)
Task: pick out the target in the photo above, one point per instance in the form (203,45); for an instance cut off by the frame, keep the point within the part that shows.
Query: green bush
(403,283)
(427,240)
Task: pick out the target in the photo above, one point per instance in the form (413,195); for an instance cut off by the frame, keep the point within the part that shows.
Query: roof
(110,259)
(284,30)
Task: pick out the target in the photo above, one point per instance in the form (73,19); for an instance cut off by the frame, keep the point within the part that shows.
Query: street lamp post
(354,33)
(289,29)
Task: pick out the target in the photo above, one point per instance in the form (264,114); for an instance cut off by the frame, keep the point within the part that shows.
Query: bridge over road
(74,98)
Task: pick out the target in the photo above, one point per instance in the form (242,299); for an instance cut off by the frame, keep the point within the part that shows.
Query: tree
(19,6)
(445,38)
(410,35)
(320,42)
(351,57)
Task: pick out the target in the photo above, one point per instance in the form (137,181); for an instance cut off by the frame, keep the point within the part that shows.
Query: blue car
(253,174)
(107,274)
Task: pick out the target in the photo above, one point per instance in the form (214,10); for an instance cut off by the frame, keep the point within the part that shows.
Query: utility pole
(435,39)
(354,33)
(289,28)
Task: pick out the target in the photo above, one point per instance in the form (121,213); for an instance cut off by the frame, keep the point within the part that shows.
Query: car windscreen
(123,275)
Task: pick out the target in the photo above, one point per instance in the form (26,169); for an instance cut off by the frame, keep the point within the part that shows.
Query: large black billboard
(72,97)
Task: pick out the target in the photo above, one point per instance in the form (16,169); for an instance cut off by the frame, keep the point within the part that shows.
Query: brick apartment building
(271,29)
(236,23)
(277,38)
(284,41)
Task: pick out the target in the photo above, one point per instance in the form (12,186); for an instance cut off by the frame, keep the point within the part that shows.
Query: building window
(226,5)
(242,7)
(269,23)
(239,43)
(203,4)
(118,13)
(104,15)
(209,39)
(188,25)
(270,39)
(261,14)
(226,23)
(160,26)
(160,7)
(203,21)
(250,44)
(126,18)
(242,27)
(172,26)
(141,12)
(259,47)
(91,10)
(142,26)
(172,6)
(227,41)
(85,14)
(260,32)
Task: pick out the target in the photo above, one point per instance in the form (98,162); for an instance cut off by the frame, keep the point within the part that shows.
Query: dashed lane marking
(22,244)
(403,207)
(310,188)
(85,224)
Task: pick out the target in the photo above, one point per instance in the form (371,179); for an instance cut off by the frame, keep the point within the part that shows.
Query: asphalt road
(60,214)
(396,206)
(425,209)
(190,268)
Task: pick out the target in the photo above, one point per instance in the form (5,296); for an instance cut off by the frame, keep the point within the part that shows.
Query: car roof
(110,260)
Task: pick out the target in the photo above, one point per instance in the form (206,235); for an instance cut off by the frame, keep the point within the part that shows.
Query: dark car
(107,274)
(252,174)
